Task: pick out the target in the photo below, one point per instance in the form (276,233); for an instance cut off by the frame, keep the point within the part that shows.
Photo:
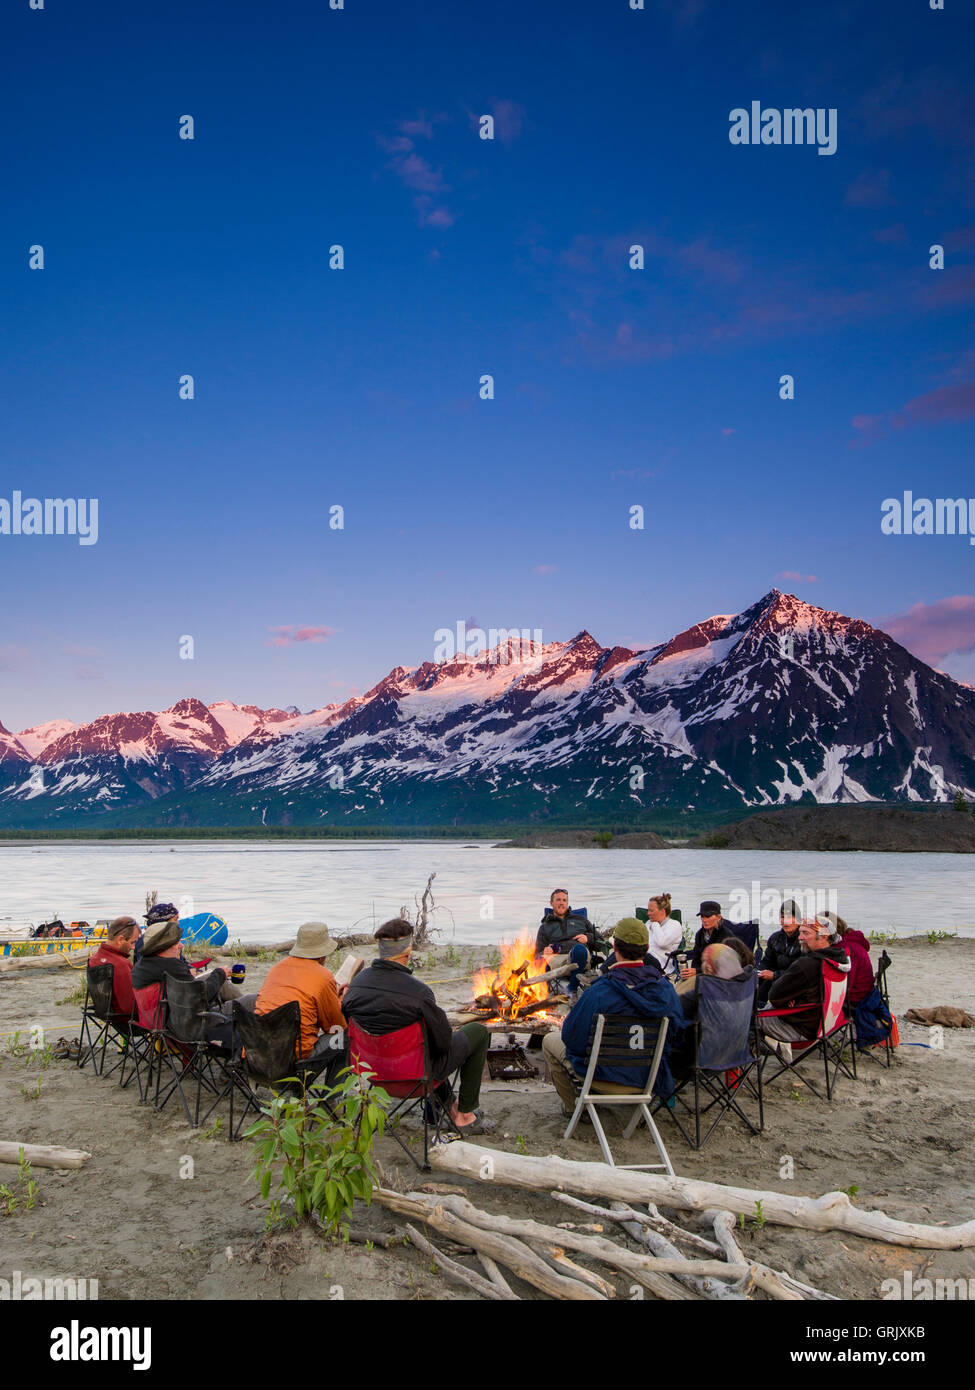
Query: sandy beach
(904,1137)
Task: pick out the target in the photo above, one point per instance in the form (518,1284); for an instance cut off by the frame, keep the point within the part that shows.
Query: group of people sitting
(644,975)
(647,975)
(382,998)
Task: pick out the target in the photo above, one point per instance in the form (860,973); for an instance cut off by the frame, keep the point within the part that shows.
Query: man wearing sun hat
(302,975)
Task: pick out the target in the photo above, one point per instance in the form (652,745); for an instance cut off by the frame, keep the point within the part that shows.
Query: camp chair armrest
(782,1013)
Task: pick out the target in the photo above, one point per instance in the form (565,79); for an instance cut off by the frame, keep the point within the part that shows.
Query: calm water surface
(265,890)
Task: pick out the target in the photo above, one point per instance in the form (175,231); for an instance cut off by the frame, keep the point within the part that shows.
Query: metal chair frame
(611,1042)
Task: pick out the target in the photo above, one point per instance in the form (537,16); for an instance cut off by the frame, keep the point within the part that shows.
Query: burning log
(548,976)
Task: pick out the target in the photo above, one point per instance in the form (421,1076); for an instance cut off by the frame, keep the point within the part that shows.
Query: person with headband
(386,997)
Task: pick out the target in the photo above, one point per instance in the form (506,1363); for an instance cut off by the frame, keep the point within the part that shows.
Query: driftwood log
(50,961)
(514,1254)
(487,1288)
(42,1155)
(832,1212)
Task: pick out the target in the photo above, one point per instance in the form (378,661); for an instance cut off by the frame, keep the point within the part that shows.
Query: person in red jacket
(857,947)
(116,950)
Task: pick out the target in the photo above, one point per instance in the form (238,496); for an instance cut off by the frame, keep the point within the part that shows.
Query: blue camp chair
(725,1071)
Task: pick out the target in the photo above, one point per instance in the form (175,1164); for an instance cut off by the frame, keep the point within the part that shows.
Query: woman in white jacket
(666,934)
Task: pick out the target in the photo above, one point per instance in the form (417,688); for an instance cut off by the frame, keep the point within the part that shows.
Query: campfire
(517,992)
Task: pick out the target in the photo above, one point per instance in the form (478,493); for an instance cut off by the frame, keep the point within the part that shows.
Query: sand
(903,1136)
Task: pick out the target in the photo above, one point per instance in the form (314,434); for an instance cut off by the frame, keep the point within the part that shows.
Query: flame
(518,962)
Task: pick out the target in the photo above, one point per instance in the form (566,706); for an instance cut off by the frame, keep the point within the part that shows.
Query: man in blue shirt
(634,988)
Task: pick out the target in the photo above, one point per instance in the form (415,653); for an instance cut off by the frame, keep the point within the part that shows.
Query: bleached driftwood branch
(832,1212)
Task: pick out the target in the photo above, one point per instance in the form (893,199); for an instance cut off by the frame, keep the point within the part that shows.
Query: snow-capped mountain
(758,708)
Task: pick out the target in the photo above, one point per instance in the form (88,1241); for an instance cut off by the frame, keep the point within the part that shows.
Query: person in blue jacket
(634,987)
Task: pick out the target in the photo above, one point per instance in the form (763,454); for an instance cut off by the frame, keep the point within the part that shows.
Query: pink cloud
(798,578)
(421,126)
(508,120)
(871,189)
(288,635)
(726,432)
(430,216)
(546,569)
(933,631)
(946,404)
(710,261)
(891,236)
(418,173)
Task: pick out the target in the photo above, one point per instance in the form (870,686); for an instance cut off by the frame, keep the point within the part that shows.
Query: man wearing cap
(782,949)
(302,975)
(386,997)
(161,957)
(801,986)
(634,987)
(712,931)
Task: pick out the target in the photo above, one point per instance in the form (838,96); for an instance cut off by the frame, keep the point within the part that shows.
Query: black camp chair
(110,1027)
(725,1071)
(881,1052)
(598,953)
(748,932)
(270,1045)
(670,967)
(183,1047)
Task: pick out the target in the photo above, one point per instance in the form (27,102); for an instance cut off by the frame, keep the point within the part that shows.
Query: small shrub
(30,1092)
(603,838)
(320,1156)
(26,1192)
(933,937)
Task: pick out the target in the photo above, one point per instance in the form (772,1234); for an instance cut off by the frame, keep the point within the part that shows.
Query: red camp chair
(399,1063)
(834,1035)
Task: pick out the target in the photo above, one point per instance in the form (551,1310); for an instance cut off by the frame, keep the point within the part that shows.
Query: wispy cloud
(416,172)
(798,578)
(945,405)
(933,631)
(871,189)
(88,661)
(288,634)
(546,569)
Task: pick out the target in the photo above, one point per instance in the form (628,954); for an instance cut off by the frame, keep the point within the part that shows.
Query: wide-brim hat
(158,937)
(312,941)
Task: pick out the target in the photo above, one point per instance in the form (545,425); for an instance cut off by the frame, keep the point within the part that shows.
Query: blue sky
(359,387)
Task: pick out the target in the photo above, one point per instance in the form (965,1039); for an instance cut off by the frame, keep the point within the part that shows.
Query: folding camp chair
(635,1045)
(726,1071)
(111,1027)
(671,966)
(835,1033)
(270,1045)
(399,1063)
(182,1046)
(885,1047)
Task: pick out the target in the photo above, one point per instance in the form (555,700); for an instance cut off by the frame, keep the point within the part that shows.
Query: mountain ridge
(778,703)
